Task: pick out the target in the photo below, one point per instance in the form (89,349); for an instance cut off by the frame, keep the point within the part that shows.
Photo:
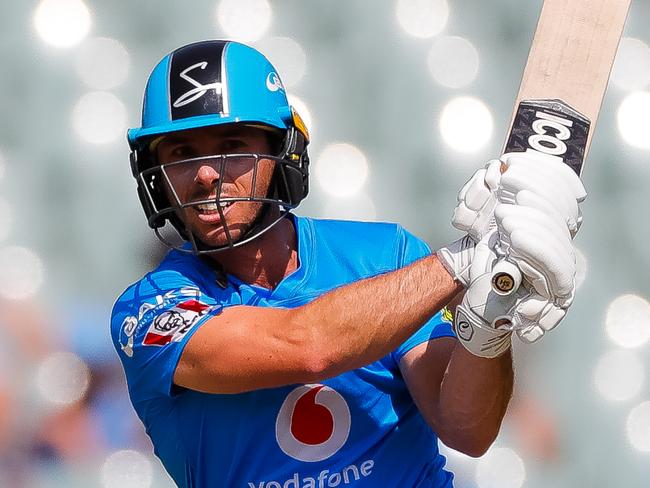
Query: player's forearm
(474,396)
(359,323)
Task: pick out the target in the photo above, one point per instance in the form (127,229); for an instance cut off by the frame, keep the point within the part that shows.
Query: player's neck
(264,261)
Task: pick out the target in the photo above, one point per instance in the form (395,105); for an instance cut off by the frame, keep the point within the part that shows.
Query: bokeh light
(21,273)
(628,321)
(500,467)
(453,61)
(422,18)
(99,118)
(341,169)
(357,207)
(466,124)
(638,427)
(6,219)
(633,120)
(619,375)
(631,69)
(103,63)
(127,469)
(62,23)
(288,57)
(62,378)
(244,20)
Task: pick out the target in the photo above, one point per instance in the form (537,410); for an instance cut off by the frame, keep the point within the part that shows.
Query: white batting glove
(476,201)
(457,258)
(484,320)
(529,180)
(543,183)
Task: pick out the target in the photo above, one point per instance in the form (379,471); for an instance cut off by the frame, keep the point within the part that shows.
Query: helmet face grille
(165,204)
(196,83)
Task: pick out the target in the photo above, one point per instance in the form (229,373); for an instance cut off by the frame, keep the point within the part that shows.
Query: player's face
(199,180)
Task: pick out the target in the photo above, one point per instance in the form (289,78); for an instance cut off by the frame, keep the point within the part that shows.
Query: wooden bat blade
(562,89)
(566,77)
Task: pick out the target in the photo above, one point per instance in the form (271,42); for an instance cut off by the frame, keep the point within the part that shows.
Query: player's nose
(207,176)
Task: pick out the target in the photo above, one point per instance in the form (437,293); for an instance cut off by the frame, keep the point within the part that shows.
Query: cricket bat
(562,89)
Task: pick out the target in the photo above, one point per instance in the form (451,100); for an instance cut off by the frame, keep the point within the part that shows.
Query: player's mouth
(209,212)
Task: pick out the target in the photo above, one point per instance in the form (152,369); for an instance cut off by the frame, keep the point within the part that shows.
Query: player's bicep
(423,369)
(243,349)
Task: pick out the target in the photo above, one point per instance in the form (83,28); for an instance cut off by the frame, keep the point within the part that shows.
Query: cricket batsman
(269,350)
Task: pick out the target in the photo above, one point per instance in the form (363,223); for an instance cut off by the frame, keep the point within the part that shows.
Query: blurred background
(404,99)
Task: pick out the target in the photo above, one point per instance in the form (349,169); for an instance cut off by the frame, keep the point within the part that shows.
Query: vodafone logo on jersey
(313,423)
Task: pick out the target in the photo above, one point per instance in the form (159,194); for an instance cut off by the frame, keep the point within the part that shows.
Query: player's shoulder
(353,229)
(178,272)
(385,243)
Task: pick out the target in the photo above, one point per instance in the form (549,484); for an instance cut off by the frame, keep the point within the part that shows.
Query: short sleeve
(410,249)
(150,325)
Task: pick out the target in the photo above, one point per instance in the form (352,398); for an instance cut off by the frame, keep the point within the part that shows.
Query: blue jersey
(359,429)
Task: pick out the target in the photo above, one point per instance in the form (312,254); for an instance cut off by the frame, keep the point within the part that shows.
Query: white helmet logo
(199,90)
(313,423)
(273,82)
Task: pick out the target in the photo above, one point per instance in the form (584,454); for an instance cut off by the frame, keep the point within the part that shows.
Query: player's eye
(182,151)
(233,146)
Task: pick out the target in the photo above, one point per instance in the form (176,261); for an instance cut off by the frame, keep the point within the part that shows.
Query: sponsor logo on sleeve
(172,325)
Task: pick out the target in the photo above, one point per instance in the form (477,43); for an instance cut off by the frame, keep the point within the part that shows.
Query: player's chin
(217,236)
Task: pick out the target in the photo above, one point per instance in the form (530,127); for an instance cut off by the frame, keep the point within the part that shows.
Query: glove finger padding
(476,201)
(540,246)
(527,198)
(555,191)
(554,169)
(546,266)
(534,316)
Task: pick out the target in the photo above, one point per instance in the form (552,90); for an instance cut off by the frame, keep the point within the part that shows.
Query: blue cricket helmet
(211,83)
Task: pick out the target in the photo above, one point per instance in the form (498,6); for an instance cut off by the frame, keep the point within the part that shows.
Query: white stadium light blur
(127,469)
(288,57)
(619,375)
(631,69)
(244,20)
(21,273)
(62,378)
(627,321)
(466,124)
(6,219)
(62,23)
(638,427)
(341,169)
(422,18)
(103,63)
(99,118)
(633,120)
(500,467)
(357,207)
(453,61)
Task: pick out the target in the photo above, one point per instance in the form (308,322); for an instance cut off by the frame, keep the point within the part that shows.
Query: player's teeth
(208,206)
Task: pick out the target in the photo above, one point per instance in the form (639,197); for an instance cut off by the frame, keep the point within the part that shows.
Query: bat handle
(506,277)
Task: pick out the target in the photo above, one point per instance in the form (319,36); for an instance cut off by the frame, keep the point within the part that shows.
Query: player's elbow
(470,444)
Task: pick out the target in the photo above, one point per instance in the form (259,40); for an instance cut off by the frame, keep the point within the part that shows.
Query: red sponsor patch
(171,325)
